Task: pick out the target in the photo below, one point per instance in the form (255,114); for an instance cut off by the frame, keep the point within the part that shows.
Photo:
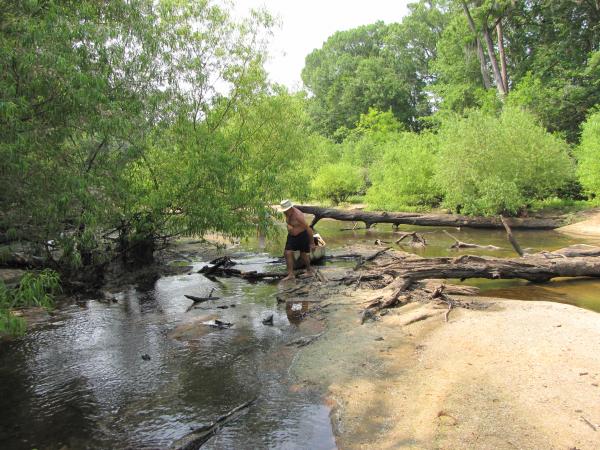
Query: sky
(305,24)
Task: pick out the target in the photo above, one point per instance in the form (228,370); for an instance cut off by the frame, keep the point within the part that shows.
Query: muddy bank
(517,375)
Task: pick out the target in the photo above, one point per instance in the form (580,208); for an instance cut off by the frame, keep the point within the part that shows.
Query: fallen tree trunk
(397,280)
(539,267)
(453,220)
(251,275)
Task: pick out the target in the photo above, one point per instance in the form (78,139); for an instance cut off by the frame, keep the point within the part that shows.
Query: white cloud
(306,24)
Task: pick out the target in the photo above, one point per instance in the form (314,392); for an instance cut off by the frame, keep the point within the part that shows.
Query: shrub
(337,182)
(33,290)
(404,177)
(588,155)
(490,165)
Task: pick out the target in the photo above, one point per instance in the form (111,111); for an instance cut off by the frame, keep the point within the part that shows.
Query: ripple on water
(83,383)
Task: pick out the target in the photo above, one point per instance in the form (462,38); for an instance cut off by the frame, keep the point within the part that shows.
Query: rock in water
(146,357)
(268,320)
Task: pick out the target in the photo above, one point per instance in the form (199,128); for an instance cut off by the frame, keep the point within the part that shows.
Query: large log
(573,261)
(453,220)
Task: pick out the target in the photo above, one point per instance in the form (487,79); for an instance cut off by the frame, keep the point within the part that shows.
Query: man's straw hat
(286,204)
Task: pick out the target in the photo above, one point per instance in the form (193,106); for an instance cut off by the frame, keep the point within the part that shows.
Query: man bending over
(300,237)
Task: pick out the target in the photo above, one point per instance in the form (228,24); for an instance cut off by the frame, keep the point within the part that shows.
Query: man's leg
(306,259)
(289,261)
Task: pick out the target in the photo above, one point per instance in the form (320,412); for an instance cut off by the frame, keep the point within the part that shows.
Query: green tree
(535,53)
(588,155)
(489,165)
(101,100)
(336,182)
(358,69)
(403,179)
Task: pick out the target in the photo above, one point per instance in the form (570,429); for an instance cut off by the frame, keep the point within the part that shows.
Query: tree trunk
(500,35)
(451,220)
(539,267)
(492,55)
(480,55)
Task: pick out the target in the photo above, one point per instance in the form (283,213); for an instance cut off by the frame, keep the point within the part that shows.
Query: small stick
(594,427)
(448,312)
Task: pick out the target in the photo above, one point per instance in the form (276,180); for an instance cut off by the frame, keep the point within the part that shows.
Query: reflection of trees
(37,408)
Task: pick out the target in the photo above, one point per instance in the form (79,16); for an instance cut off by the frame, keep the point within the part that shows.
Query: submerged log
(251,275)
(199,436)
(399,218)
(459,244)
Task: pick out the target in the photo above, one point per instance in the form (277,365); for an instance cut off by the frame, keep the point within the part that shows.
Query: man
(300,238)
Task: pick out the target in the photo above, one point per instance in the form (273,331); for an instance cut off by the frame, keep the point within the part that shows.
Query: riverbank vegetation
(124,124)
(502,98)
(37,290)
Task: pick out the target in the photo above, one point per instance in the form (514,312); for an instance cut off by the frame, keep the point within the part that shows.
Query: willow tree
(95,94)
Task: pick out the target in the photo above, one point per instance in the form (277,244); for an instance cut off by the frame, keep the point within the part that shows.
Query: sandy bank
(587,226)
(518,375)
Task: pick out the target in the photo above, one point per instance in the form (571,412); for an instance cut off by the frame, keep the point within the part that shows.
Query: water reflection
(84,384)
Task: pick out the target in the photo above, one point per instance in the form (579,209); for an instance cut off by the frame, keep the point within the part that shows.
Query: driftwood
(199,436)
(398,218)
(197,300)
(406,273)
(459,244)
(219,263)
(511,238)
(539,267)
(304,340)
(417,240)
(251,275)
(23,261)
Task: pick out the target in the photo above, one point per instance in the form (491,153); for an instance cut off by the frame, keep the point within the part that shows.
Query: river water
(80,381)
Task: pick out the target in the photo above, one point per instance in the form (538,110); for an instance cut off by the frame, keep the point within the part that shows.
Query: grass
(34,289)
(554,205)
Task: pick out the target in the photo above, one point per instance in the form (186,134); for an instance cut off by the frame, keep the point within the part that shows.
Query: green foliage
(337,182)
(225,178)
(368,66)
(491,165)
(588,155)
(556,205)
(550,57)
(142,117)
(34,289)
(403,179)
(365,144)
(10,324)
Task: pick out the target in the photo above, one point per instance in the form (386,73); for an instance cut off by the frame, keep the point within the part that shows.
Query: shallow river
(81,382)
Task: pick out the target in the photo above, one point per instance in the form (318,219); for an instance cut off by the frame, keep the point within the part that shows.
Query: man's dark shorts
(300,242)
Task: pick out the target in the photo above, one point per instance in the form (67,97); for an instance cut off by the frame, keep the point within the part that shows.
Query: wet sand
(517,375)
